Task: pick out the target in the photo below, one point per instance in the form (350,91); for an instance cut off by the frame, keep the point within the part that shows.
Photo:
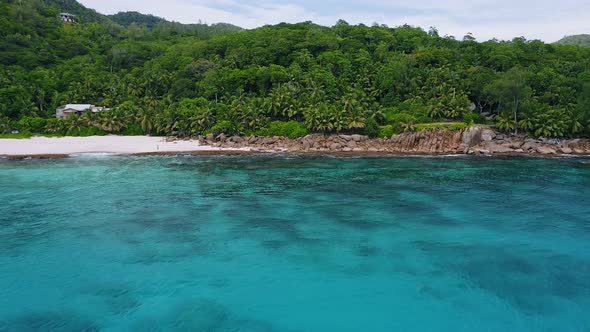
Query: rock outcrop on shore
(474,140)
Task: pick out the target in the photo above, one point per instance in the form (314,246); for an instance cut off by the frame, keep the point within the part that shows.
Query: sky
(548,20)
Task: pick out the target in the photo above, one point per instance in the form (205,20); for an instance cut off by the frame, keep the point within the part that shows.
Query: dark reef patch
(528,283)
(50,322)
(203,315)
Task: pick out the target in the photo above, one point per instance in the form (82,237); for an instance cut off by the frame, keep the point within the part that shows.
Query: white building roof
(78,107)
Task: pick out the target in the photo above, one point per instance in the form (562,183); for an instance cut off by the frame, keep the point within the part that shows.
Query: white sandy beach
(97,144)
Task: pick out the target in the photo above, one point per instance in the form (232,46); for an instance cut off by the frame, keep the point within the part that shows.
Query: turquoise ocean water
(294,244)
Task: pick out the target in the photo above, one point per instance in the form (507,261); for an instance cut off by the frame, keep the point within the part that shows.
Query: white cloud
(503,19)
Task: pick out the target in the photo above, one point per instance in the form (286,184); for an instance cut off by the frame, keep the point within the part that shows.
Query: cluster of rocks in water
(474,140)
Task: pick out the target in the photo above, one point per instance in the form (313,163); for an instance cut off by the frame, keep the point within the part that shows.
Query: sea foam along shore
(65,146)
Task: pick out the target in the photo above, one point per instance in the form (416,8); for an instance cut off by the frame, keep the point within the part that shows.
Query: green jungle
(165,78)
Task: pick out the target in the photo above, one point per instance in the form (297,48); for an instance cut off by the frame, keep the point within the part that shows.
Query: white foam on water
(94,154)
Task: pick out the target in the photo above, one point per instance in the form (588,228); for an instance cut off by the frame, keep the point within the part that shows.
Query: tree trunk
(515,116)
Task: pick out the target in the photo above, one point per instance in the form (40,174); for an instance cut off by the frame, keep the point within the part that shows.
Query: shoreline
(63,147)
(335,154)
(475,141)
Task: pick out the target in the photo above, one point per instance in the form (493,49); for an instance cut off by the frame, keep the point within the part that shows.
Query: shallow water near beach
(294,244)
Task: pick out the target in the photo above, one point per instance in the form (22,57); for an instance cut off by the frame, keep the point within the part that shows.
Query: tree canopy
(173,79)
(582,40)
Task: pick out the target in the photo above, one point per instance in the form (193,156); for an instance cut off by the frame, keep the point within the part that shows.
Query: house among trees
(64,112)
(67,17)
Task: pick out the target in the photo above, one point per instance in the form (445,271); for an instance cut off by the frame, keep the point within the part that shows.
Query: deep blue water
(294,244)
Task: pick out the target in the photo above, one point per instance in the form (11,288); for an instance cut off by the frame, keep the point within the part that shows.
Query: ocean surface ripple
(293,243)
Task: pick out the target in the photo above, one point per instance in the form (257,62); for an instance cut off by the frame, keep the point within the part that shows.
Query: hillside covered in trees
(172,79)
(128,19)
(582,40)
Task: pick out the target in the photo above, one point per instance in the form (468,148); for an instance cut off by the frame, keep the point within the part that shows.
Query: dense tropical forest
(582,40)
(165,78)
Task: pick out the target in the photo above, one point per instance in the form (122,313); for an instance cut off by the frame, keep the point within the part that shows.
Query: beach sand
(38,146)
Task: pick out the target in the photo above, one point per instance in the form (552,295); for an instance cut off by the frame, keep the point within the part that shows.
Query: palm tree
(145,119)
(169,123)
(407,127)
(40,96)
(74,124)
(376,112)
(284,103)
(312,117)
(89,119)
(320,117)
(337,121)
(550,124)
(505,122)
(455,106)
(135,88)
(183,127)
(353,110)
(55,126)
(356,121)
(255,117)
(111,121)
(279,97)
(160,123)
(151,103)
(435,110)
(544,125)
(315,91)
(202,120)
(526,122)
(5,125)
(575,121)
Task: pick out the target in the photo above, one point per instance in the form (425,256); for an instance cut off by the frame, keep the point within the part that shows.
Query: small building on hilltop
(63,112)
(67,17)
